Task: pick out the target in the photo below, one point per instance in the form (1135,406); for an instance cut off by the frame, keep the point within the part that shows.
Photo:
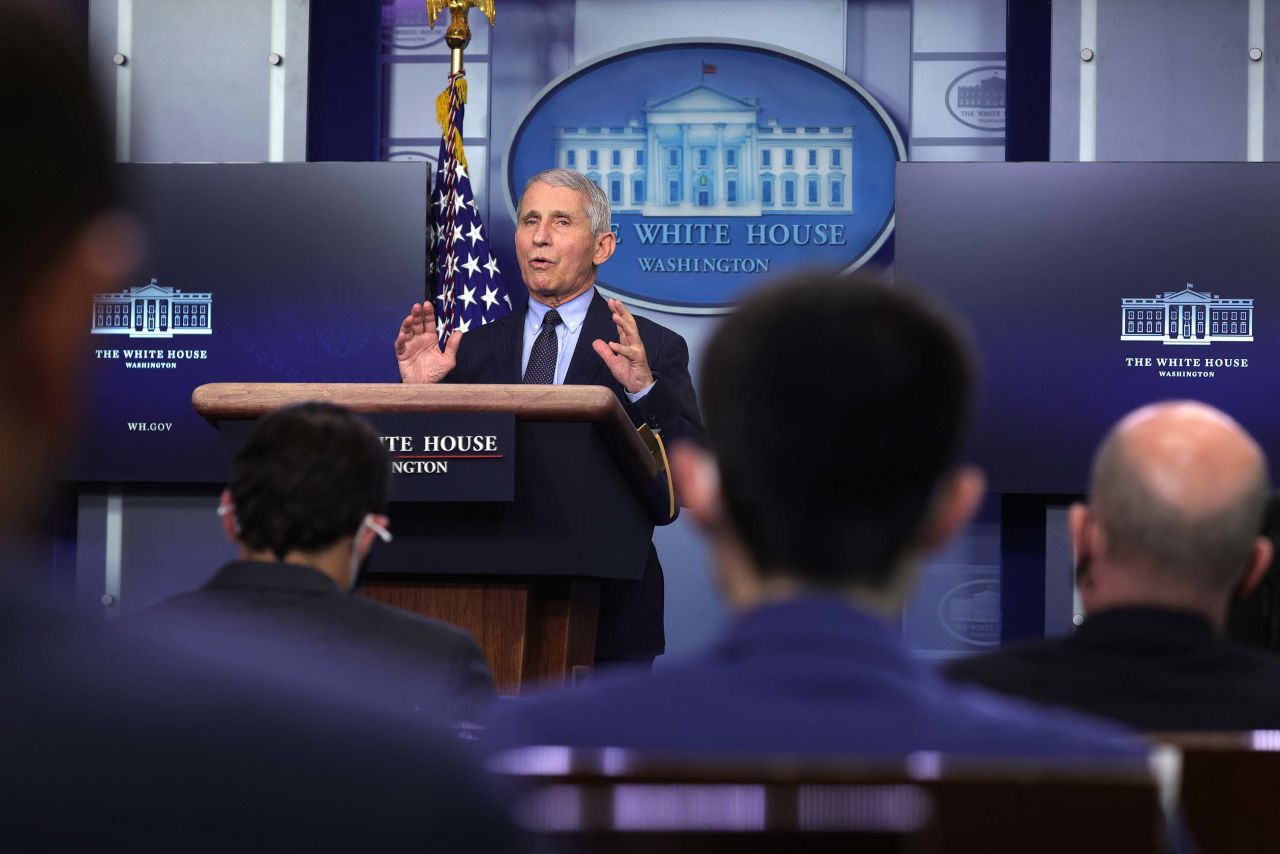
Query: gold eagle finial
(435,7)
(458,36)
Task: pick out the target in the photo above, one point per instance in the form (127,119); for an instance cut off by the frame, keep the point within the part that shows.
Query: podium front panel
(574,514)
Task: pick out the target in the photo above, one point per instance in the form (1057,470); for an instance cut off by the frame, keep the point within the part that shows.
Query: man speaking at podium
(569,334)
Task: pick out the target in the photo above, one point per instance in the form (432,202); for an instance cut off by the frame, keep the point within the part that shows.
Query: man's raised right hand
(418,347)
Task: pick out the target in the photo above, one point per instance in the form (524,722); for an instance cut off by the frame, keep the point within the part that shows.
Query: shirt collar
(572,313)
(1146,627)
(816,624)
(262,575)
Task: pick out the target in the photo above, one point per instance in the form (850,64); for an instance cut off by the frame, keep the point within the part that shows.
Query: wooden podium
(523,576)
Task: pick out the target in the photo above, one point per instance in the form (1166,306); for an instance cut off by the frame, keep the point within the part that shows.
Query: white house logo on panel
(1186,317)
(971,612)
(977,98)
(152,311)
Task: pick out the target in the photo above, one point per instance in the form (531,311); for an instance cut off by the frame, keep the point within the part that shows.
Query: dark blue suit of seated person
(305,505)
(822,492)
(570,335)
(1170,533)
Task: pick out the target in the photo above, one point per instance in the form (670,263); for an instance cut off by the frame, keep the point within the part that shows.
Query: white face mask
(353,568)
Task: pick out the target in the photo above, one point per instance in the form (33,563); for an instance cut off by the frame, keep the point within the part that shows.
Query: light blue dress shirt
(572,315)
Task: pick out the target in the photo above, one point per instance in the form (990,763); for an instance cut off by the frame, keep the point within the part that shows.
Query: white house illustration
(1187,316)
(152,311)
(988,93)
(703,152)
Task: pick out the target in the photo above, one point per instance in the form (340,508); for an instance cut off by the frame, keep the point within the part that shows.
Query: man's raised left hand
(625,357)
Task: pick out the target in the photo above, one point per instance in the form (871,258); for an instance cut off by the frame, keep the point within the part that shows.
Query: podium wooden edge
(526,402)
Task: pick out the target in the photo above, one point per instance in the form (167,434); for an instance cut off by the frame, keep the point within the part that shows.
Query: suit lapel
(509,344)
(585,364)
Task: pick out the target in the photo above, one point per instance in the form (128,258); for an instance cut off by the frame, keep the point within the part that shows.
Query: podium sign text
(450,456)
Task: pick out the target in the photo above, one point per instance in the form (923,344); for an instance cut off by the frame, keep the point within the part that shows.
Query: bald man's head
(1180,488)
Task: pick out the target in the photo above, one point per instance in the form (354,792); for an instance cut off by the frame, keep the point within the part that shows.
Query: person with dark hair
(305,504)
(110,743)
(821,495)
(571,335)
(1254,618)
(1169,535)
(308,476)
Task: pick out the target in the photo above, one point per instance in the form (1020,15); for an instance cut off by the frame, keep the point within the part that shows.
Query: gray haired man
(570,335)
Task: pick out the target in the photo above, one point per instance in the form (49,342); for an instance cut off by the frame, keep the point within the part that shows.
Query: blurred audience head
(1176,503)
(59,243)
(836,409)
(309,487)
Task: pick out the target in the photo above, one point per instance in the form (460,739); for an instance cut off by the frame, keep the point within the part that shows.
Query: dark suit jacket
(114,743)
(805,676)
(284,617)
(1149,668)
(631,624)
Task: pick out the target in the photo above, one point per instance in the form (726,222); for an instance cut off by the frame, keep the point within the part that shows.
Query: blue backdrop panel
(1094,288)
(295,272)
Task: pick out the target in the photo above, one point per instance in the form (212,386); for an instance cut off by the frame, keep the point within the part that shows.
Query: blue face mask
(353,568)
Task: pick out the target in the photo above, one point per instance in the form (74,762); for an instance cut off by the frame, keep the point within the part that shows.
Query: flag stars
(478,298)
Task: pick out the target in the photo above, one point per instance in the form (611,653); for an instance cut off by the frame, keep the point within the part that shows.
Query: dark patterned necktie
(542,358)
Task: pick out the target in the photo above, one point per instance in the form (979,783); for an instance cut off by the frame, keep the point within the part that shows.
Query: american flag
(467,287)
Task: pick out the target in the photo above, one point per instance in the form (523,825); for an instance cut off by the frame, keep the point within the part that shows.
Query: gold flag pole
(458,36)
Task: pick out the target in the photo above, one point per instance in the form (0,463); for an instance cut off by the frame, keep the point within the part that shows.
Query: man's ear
(227,513)
(368,534)
(1084,546)
(1082,532)
(957,501)
(364,542)
(1259,565)
(605,244)
(698,477)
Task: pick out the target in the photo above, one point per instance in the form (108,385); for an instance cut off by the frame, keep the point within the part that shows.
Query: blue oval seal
(970,612)
(724,162)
